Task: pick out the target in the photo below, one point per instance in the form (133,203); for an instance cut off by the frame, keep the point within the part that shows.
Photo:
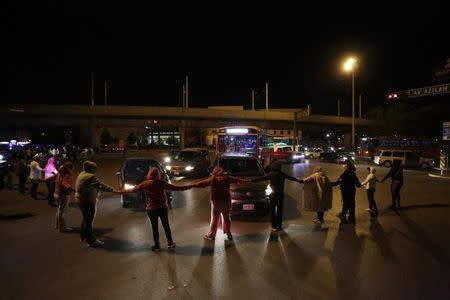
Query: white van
(407,157)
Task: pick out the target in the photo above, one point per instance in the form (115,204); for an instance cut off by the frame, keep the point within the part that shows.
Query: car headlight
(268,190)
(168,168)
(353,158)
(189,168)
(167,159)
(128,186)
(345,158)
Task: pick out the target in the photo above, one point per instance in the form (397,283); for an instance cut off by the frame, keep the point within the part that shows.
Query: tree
(105,137)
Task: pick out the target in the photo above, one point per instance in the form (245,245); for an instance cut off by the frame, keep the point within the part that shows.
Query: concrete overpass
(121,120)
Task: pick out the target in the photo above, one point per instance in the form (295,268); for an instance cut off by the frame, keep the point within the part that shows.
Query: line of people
(317,197)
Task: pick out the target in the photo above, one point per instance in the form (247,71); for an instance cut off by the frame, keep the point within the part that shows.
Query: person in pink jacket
(220,200)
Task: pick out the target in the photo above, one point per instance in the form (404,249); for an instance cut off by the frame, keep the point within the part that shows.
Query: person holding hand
(154,190)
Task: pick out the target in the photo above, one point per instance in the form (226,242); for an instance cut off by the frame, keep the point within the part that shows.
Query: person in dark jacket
(396,175)
(87,190)
(277,178)
(63,188)
(22,173)
(348,181)
(157,205)
(220,200)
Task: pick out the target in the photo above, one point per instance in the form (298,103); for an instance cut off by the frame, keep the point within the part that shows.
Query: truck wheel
(387,164)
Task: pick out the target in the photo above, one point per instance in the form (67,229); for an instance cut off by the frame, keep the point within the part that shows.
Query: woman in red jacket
(156,204)
(220,201)
(63,188)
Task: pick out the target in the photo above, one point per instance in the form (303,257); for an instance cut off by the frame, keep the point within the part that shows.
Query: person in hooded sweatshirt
(348,181)
(49,178)
(154,190)
(276,177)
(317,194)
(63,188)
(220,200)
(370,183)
(87,190)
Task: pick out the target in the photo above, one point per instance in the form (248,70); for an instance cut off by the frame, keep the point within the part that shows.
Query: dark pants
(34,188)
(88,211)
(276,209)
(395,192)
(153,215)
(320,215)
(372,204)
(348,206)
(22,182)
(51,191)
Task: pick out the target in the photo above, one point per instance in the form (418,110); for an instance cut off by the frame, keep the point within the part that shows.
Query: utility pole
(92,88)
(267,96)
(253,99)
(360,106)
(339,107)
(187,92)
(106,93)
(353,110)
(184,96)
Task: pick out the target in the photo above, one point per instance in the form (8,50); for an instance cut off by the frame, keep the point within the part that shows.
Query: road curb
(438,176)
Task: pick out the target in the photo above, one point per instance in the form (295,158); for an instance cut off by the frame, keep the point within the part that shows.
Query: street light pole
(353,110)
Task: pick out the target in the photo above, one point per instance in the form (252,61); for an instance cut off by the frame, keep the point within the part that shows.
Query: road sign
(420,92)
(446,131)
(429,91)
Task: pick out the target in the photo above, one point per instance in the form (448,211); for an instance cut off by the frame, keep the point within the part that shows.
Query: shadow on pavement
(431,205)
(346,261)
(12,217)
(203,270)
(116,245)
(208,249)
(382,240)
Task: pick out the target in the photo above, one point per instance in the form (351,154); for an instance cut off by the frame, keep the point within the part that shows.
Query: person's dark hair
(351,166)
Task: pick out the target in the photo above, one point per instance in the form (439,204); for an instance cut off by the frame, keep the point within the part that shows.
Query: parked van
(407,157)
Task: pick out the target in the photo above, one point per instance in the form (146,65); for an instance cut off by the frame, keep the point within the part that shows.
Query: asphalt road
(404,256)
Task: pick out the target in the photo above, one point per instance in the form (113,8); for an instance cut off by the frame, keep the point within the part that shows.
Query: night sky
(226,47)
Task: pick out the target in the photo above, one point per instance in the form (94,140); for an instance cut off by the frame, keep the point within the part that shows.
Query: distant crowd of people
(58,176)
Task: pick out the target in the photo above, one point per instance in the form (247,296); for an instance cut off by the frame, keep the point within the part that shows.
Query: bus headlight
(268,190)
(168,168)
(128,186)
(189,168)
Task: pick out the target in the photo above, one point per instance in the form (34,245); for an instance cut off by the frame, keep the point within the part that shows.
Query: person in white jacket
(370,184)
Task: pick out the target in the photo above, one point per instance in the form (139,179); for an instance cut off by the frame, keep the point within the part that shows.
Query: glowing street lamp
(349,66)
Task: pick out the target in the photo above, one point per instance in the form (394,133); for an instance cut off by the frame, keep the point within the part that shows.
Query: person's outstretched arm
(203,183)
(171,187)
(337,182)
(262,178)
(289,177)
(99,185)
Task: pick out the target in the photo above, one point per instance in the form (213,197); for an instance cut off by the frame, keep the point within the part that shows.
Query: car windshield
(185,155)
(242,167)
(138,167)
